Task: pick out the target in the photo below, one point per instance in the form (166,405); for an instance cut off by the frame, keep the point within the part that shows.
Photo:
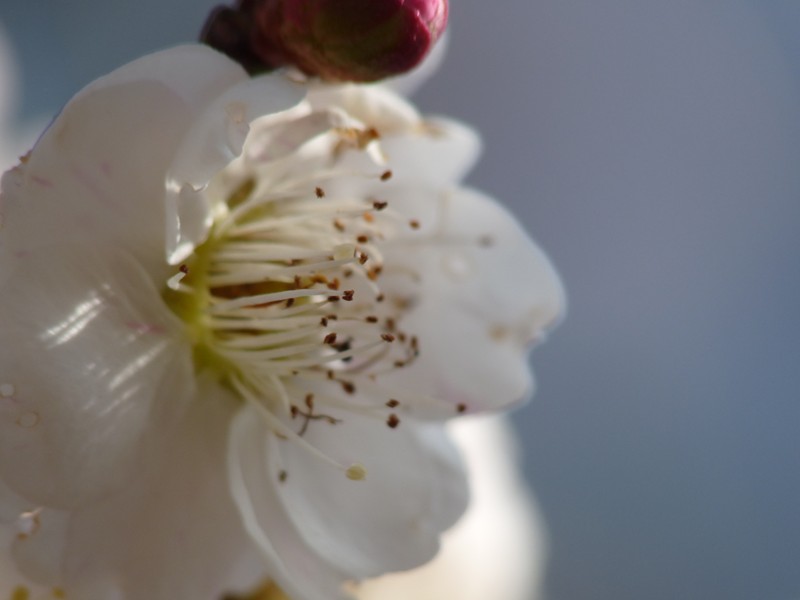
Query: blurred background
(653,149)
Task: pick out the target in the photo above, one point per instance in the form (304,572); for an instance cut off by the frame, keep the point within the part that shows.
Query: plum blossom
(237,315)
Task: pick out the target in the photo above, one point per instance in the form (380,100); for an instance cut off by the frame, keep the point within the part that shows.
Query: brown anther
(348,386)
(387,337)
(347,295)
(333,298)
(282,476)
(401,336)
(309,400)
(347,273)
(414,342)
(362,239)
(374,272)
(334,284)
(330,338)
(370,134)
(323,321)
(331,317)
(386,175)
(338,224)
(363,258)
(380,298)
(393,421)
(390,324)
(343,347)
(319,278)
(403,303)
(360,138)
(290,303)
(371,319)
(294,411)
(393,403)
(399,364)
(368,217)
(414,224)
(461,408)
(330,374)
(183,269)
(319,192)
(379,205)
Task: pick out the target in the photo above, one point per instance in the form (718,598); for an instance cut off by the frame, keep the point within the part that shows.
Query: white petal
(488,292)
(90,359)
(215,139)
(39,555)
(98,172)
(497,549)
(176,534)
(435,152)
(253,470)
(273,139)
(12,509)
(390,521)
(173,532)
(374,106)
(194,73)
(414,489)
(439,151)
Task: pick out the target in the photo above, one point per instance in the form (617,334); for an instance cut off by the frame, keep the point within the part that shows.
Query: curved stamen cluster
(285,294)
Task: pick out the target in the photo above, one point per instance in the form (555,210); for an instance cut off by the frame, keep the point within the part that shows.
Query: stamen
(269,298)
(275,424)
(266,291)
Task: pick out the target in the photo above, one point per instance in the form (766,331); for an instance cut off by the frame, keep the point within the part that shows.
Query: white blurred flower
(236,316)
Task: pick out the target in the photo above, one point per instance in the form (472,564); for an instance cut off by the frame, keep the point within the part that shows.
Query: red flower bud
(344,40)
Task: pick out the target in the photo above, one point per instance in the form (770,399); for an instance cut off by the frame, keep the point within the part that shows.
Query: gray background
(652,148)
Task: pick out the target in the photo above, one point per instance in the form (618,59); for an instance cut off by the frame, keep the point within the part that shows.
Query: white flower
(236,314)
(497,550)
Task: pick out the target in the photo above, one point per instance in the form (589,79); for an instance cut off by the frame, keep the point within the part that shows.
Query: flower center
(283,299)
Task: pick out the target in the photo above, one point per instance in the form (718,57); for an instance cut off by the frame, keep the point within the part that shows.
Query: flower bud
(340,40)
